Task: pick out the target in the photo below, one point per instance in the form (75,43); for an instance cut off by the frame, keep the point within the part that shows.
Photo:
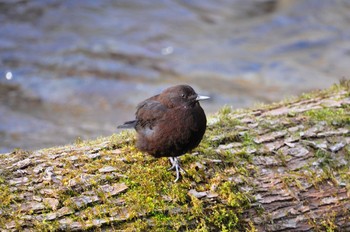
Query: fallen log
(279,167)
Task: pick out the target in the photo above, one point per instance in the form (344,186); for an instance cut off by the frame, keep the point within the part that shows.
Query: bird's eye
(183,95)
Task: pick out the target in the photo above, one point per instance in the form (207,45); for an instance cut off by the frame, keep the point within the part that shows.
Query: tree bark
(282,167)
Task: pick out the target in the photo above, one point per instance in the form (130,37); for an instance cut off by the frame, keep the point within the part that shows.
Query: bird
(169,124)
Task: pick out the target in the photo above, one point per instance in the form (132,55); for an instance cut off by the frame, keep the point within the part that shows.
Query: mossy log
(279,167)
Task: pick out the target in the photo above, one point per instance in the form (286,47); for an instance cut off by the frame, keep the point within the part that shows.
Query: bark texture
(282,167)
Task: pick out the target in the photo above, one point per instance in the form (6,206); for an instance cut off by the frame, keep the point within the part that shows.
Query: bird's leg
(171,159)
(176,164)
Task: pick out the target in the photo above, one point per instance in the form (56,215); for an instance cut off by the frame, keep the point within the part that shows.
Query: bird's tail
(128,124)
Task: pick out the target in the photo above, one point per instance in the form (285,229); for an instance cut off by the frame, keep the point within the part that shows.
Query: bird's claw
(175,164)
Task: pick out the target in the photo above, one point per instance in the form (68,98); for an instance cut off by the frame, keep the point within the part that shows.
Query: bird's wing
(149,111)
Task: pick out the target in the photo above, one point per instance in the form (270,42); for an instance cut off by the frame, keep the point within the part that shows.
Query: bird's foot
(175,164)
(171,159)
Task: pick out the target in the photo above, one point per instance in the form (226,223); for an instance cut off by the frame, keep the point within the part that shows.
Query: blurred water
(72,69)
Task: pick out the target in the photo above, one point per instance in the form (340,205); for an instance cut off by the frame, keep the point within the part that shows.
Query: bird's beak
(199,98)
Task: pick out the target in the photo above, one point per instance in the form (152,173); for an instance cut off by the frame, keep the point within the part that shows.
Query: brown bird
(170,124)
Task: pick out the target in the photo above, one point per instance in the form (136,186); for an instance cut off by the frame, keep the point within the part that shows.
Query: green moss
(325,158)
(6,196)
(330,115)
(225,219)
(46,226)
(271,124)
(328,223)
(248,140)
(233,196)
(225,110)
(291,180)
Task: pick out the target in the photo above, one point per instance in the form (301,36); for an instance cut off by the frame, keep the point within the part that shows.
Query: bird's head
(181,95)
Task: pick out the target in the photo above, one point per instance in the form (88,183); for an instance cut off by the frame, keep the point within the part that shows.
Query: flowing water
(71,69)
